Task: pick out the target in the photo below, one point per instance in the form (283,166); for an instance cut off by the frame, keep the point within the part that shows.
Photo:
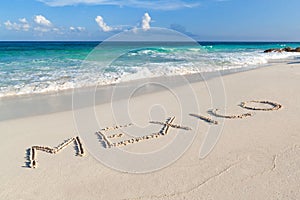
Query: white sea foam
(143,63)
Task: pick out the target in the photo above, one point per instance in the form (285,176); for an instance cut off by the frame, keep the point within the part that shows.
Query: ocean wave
(54,74)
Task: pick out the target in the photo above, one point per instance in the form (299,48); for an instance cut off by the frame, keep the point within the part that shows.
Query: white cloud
(21,26)
(10,26)
(56,29)
(43,24)
(41,29)
(23,20)
(77,29)
(146,22)
(149,4)
(103,25)
(42,21)
(145,25)
(80,28)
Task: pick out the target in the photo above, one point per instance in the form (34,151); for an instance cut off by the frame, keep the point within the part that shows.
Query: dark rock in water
(272,50)
(286,49)
(297,49)
(269,50)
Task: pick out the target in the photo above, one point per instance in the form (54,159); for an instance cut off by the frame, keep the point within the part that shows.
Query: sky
(203,20)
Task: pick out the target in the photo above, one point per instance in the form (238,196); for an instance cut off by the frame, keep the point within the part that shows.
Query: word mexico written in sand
(164,130)
(240,116)
(34,149)
(275,106)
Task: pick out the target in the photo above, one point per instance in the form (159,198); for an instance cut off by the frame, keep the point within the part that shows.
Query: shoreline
(47,103)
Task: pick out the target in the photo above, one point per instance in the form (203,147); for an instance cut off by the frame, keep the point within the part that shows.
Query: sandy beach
(256,157)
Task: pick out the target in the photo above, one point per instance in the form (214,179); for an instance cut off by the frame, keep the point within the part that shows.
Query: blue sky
(212,20)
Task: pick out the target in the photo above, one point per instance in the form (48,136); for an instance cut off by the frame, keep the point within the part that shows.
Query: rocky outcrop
(286,49)
(272,50)
(297,49)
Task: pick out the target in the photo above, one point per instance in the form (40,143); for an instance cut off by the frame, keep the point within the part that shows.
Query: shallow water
(45,67)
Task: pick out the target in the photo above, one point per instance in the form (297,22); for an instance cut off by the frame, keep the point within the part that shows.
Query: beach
(149,100)
(256,157)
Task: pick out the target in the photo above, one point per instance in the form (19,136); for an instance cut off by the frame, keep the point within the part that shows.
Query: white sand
(256,157)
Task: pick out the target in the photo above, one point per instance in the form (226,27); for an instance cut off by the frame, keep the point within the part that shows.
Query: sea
(49,67)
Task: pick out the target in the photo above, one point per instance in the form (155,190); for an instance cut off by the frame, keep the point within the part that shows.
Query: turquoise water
(42,67)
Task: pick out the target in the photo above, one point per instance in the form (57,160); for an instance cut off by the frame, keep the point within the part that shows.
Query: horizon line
(249,41)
